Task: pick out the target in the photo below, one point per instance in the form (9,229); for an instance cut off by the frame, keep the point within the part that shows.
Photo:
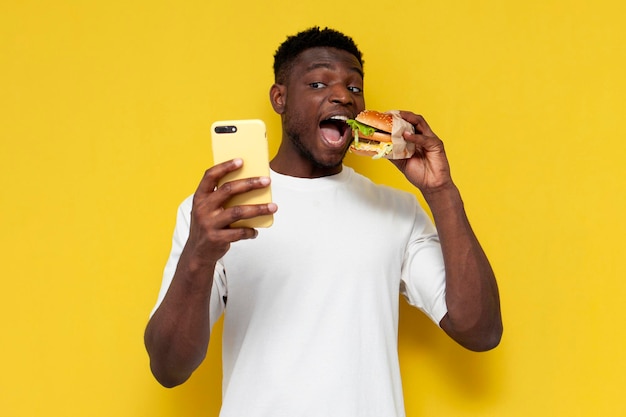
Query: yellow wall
(104,115)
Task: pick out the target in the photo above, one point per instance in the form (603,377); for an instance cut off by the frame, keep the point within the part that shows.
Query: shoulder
(186,204)
(384,192)
(184,210)
(382,202)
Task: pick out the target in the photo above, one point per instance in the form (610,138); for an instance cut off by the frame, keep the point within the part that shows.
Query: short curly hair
(313,37)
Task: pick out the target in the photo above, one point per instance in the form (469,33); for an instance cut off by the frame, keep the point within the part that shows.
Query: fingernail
(264,180)
(272,207)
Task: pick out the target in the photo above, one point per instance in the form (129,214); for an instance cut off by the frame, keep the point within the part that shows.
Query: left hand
(428,168)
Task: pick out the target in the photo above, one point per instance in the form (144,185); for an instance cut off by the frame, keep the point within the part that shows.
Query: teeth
(343,118)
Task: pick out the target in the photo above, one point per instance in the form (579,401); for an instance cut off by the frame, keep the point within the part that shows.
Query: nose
(340,94)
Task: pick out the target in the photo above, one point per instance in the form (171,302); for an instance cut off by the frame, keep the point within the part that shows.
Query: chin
(325,163)
(330,159)
(320,158)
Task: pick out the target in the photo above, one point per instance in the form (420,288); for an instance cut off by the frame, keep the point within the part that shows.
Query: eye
(317,85)
(355,89)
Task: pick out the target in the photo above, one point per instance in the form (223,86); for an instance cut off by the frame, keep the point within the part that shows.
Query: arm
(473,319)
(177,335)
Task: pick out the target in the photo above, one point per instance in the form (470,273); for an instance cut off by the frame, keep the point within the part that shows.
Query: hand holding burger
(379,135)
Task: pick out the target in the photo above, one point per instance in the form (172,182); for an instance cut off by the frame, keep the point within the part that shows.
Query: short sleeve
(179,239)
(423,280)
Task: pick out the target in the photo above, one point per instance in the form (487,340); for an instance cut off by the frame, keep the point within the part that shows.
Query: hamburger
(379,135)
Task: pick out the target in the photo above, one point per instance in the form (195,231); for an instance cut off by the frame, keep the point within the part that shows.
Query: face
(323,89)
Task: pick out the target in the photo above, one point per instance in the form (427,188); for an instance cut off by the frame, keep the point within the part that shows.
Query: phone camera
(225,129)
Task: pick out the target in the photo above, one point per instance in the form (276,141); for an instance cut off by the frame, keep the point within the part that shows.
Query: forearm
(473,318)
(177,335)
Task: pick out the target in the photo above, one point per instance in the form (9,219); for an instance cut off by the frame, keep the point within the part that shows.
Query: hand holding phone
(245,139)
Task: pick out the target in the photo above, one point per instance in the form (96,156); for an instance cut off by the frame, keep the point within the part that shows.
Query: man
(311,303)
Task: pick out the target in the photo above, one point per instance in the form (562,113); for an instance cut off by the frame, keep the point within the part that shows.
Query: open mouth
(335,130)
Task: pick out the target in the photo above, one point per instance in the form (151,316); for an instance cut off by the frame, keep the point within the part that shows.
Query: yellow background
(105,108)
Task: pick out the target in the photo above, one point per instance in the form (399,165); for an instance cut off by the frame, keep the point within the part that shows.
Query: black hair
(313,37)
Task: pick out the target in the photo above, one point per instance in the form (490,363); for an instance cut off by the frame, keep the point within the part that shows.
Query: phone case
(245,139)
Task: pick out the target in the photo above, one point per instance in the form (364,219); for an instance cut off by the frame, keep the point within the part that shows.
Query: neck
(300,170)
(289,161)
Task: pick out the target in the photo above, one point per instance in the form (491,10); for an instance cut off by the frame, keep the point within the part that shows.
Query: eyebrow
(329,66)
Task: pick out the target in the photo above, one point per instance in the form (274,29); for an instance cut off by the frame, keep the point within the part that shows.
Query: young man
(311,303)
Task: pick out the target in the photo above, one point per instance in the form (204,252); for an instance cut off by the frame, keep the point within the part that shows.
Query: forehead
(325,57)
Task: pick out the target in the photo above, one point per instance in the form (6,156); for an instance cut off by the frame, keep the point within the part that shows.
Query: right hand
(210,234)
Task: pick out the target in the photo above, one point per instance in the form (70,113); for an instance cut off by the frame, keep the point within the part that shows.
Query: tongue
(331,132)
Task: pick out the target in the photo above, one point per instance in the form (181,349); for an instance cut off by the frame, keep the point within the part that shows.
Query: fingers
(418,121)
(227,216)
(221,221)
(210,199)
(424,138)
(211,233)
(230,212)
(212,175)
(232,188)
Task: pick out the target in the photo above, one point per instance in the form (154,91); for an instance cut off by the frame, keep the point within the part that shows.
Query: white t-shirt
(311,310)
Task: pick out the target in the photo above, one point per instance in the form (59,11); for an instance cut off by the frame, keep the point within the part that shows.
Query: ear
(278,97)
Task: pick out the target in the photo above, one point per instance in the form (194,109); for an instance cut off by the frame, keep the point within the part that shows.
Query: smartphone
(245,139)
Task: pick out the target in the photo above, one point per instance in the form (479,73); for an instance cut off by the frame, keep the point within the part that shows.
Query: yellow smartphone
(245,139)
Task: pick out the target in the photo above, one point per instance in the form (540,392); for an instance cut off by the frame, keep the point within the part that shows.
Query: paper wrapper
(401,148)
